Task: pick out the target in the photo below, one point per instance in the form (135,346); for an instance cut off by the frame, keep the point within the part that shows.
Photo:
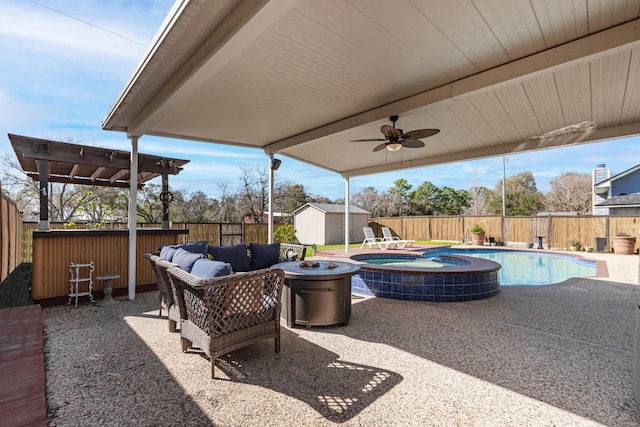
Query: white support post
(270,205)
(346,216)
(133,217)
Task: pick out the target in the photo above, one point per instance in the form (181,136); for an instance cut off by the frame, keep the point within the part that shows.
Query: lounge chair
(370,240)
(388,237)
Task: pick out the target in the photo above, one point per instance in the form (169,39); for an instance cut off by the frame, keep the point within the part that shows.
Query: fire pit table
(317,293)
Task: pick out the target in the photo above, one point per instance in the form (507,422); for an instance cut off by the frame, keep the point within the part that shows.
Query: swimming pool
(526,267)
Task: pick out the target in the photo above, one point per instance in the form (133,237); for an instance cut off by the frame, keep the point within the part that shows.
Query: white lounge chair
(370,240)
(388,237)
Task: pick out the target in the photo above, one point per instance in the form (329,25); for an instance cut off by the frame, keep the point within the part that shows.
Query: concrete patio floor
(546,355)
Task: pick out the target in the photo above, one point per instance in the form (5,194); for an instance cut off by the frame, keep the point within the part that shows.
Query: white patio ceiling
(302,78)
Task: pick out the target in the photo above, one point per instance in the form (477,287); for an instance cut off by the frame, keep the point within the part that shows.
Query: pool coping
(472,265)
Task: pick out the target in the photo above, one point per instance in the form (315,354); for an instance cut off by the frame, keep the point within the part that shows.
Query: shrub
(285,234)
(477,229)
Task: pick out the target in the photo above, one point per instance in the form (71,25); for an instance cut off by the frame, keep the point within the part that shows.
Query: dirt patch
(15,290)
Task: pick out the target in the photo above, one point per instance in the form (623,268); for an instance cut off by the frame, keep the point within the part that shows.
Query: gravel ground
(531,356)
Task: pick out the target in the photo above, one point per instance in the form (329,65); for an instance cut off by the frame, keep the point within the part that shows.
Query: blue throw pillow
(195,247)
(205,269)
(185,259)
(264,256)
(235,255)
(166,253)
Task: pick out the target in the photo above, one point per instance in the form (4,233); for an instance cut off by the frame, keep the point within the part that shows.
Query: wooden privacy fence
(10,236)
(557,231)
(214,233)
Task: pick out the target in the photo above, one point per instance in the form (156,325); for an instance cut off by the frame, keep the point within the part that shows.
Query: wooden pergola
(55,161)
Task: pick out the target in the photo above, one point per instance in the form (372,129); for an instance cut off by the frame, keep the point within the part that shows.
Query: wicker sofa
(251,299)
(222,314)
(167,294)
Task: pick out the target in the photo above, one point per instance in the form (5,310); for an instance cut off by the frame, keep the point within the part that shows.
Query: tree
(522,198)
(400,195)
(478,201)
(370,200)
(254,194)
(423,199)
(292,197)
(450,201)
(149,204)
(197,207)
(570,192)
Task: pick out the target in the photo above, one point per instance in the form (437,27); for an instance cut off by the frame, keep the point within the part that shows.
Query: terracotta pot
(623,245)
(477,239)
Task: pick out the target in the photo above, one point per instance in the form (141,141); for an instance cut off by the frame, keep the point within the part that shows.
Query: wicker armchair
(229,312)
(299,250)
(167,294)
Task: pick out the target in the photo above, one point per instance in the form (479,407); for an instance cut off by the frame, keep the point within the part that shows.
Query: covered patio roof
(83,164)
(303,78)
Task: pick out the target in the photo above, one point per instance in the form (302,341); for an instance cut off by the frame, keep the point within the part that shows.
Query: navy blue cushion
(235,255)
(205,269)
(264,256)
(195,247)
(185,259)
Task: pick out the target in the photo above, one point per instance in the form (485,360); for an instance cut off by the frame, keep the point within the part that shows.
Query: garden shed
(323,223)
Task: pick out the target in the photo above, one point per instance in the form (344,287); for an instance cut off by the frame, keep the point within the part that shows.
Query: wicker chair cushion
(235,255)
(168,252)
(185,259)
(205,269)
(264,256)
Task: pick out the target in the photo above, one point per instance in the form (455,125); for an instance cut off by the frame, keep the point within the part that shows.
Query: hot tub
(448,278)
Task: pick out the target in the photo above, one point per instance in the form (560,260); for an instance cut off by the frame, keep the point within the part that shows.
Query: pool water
(527,267)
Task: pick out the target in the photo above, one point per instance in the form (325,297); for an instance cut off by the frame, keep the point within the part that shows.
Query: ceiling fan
(394,138)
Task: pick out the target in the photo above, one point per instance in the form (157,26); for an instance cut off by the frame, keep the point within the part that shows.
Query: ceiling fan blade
(390,131)
(380,147)
(420,133)
(366,140)
(412,143)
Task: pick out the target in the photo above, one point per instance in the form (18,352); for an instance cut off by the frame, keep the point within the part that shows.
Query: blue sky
(62,66)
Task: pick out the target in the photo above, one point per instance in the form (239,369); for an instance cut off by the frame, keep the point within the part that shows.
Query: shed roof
(331,208)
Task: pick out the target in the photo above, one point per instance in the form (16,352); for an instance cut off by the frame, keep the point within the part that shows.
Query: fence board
(10,237)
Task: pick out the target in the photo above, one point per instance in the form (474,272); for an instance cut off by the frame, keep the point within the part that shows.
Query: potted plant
(623,243)
(477,235)
(575,245)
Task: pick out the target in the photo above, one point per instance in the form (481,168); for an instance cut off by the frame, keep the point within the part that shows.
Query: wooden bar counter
(53,251)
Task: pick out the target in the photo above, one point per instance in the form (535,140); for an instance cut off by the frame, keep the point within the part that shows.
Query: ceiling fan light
(394,146)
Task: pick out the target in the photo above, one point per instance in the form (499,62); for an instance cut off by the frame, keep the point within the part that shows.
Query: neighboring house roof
(332,208)
(626,200)
(619,175)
